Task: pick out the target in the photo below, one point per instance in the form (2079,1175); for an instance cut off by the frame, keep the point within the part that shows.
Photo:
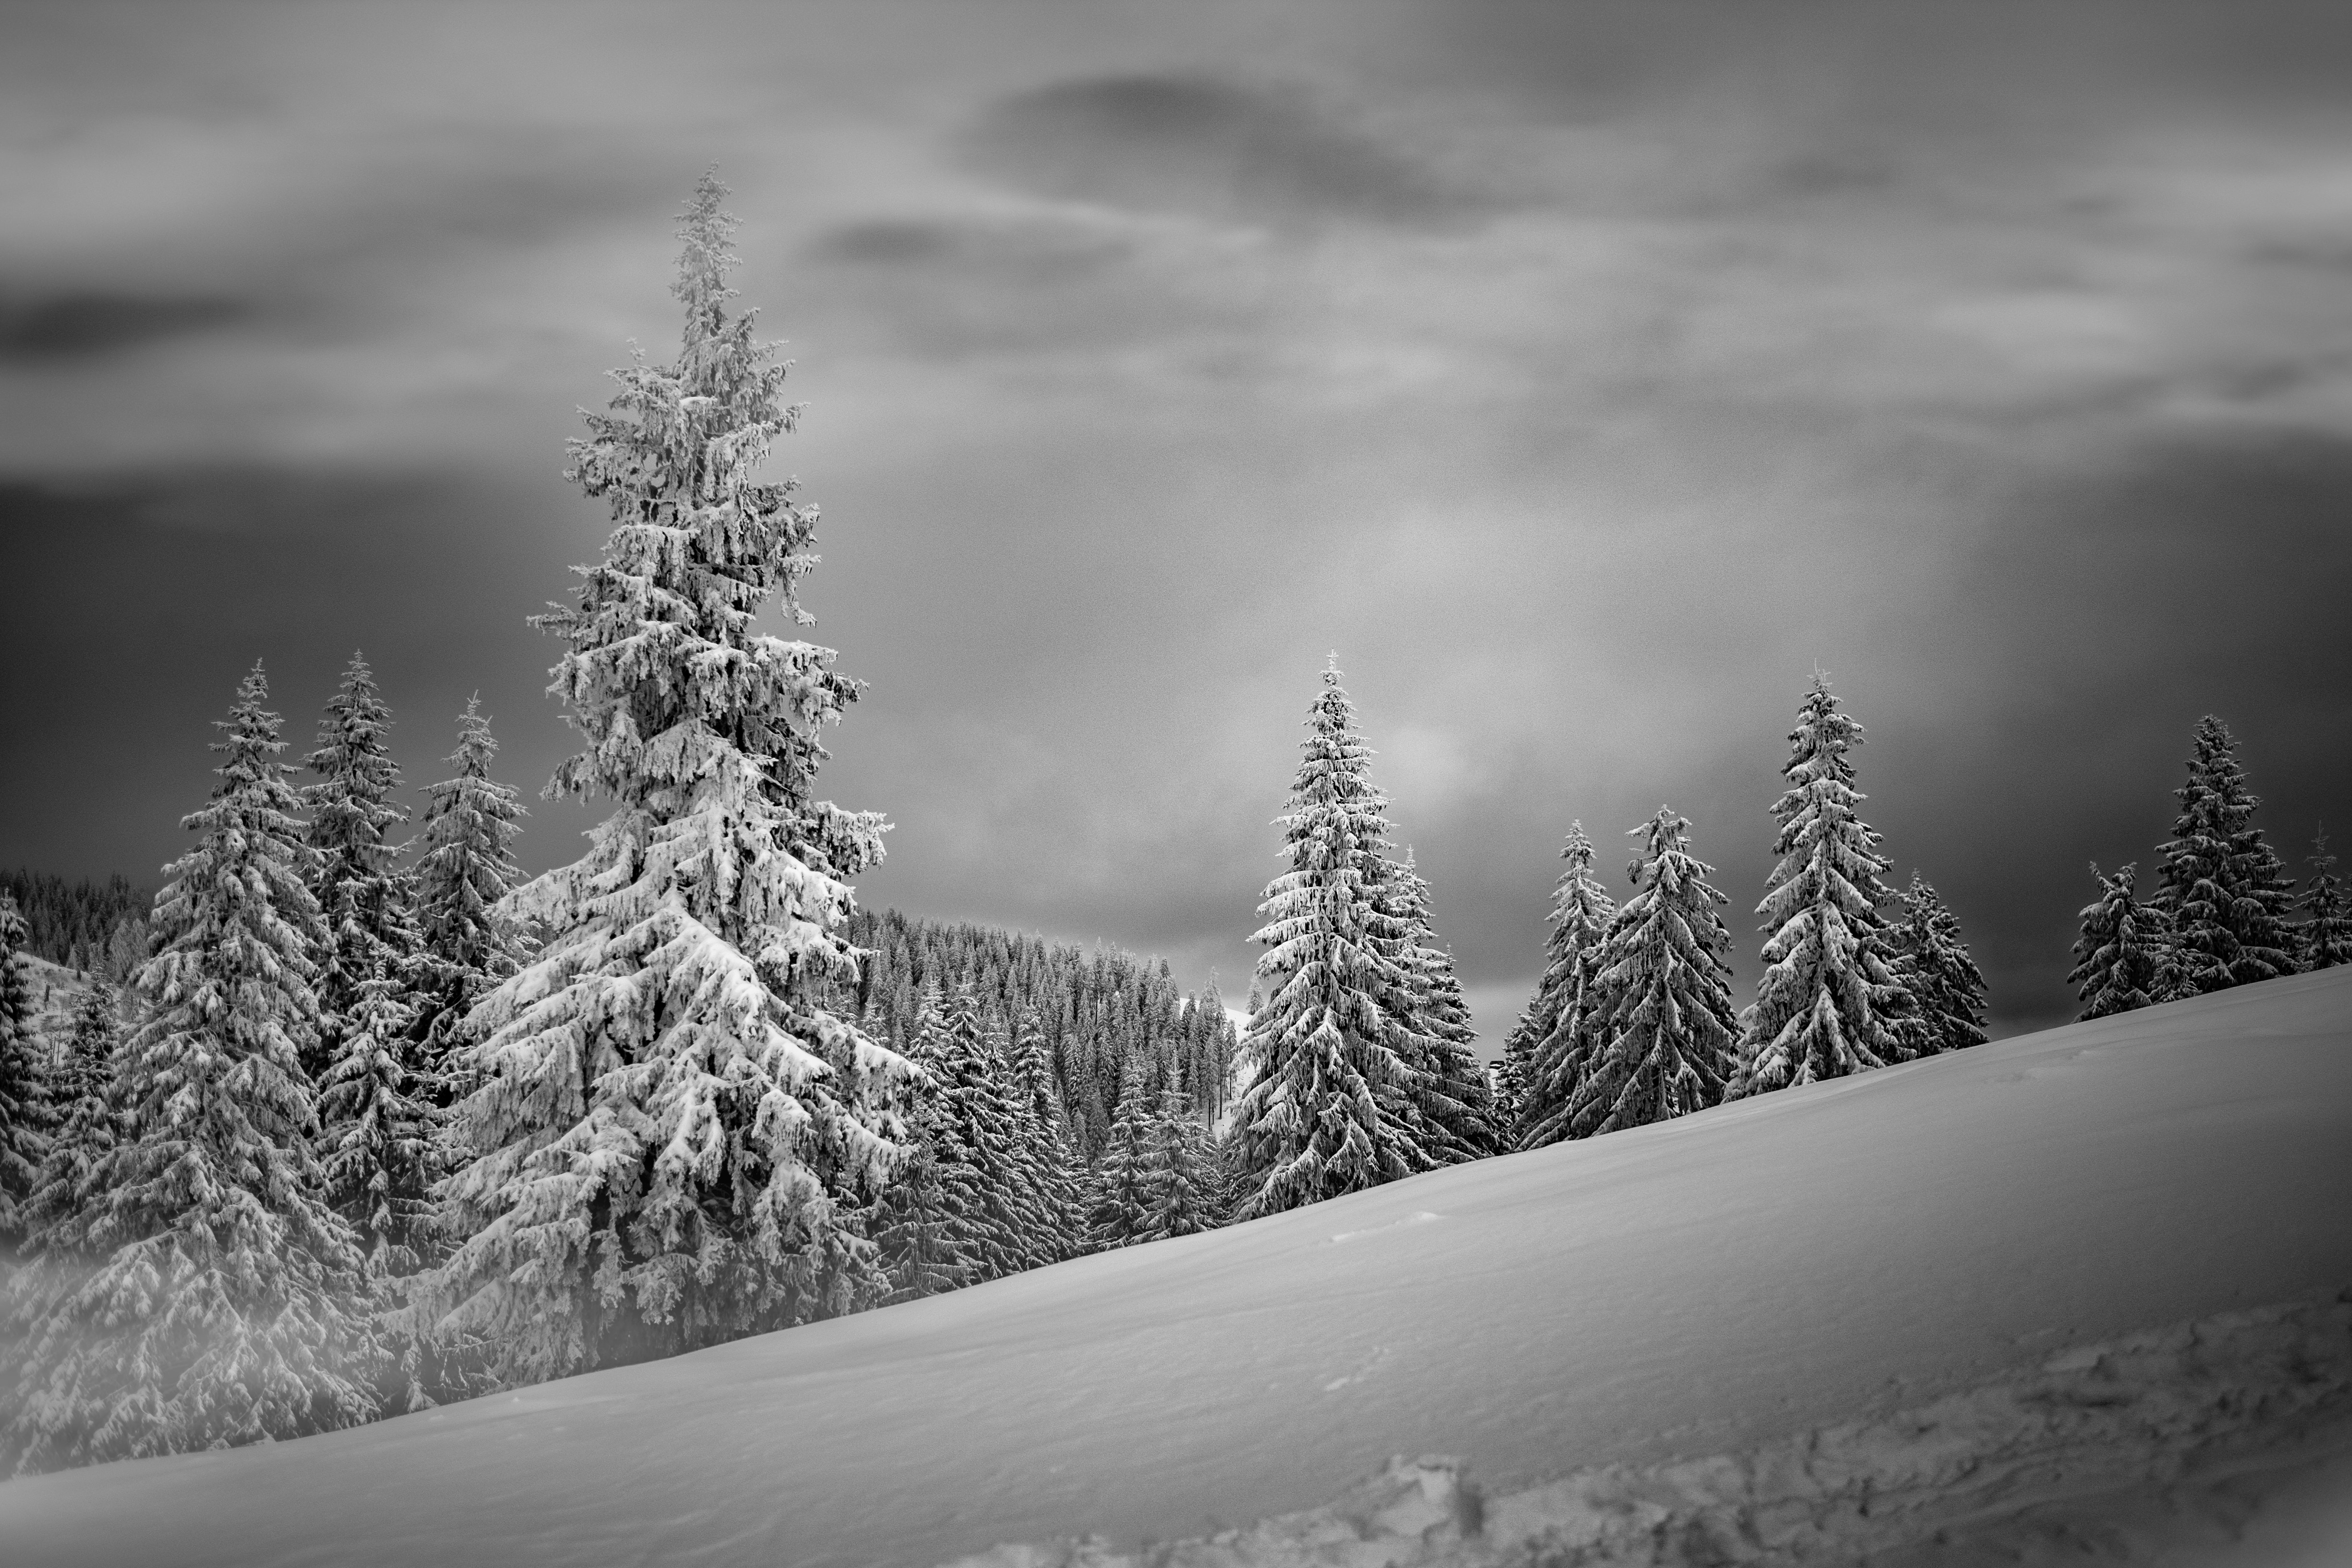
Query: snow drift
(1934,1282)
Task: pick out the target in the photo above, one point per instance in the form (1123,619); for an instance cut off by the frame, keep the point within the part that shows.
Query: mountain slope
(1694,1288)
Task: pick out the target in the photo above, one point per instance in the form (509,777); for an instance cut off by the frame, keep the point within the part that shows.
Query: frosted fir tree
(81,1089)
(465,869)
(2325,938)
(25,1107)
(1933,965)
(1453,1112)
(1043,1153)
(362,895)
(213,1297)
(1120,1190)
(1558,1042)
(920,1226)
(2122,958)
(975,1142)
(673,1141)
(1180,1185)
(1659,1001)
(1330,1052)
(2222,890)
(379,1148)
(1828,999)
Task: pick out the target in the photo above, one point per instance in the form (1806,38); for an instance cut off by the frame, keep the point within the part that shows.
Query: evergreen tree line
(377,1123)
(1357,1054)
(2224,912)
(1102,1012)
(95,927)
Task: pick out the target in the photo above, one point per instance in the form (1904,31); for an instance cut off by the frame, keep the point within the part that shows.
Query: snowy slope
(1715,1285)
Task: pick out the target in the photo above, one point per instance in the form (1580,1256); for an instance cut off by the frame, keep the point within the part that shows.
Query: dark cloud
(81,326)
(1198,145)
(137,604)
(2099,614)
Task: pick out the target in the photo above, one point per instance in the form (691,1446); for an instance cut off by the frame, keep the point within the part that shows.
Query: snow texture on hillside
(1671,1307)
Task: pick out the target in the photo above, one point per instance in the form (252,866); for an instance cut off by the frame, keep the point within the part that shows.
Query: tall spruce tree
(2223,890)
(1559,1037)
(212,1296)
(362,895)
(24,1103)
(464,869)
(1828,999)
(2325,938)
(1454,1109)
(1330,1052)
(673,1142)
(1932,963)
(1659,1001)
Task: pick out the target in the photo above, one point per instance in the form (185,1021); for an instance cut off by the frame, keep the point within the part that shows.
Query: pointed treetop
(702,266)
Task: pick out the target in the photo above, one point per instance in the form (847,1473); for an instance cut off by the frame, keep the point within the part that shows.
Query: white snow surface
(1776,1277)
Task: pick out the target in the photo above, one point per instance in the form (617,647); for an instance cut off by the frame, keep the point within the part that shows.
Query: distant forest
(1100,1010)
(71,923)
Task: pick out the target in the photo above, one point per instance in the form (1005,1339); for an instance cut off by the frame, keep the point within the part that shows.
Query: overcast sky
(1584,374)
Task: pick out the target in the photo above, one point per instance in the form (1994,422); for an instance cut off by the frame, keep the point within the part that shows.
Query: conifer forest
(949,783)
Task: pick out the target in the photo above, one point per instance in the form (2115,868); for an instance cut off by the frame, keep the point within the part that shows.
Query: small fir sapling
(2324,937)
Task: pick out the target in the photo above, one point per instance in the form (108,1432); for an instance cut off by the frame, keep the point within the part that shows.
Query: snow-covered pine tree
(673,1142)
(1333,1038)
(1828,999)
(213,1297)
(82,1090)
(920,1227)
(2223,890)
(25,1102)
(380,1144)
(362,895)
(1119,1190)
(1947,988)
(977,1146)
(1180,1183)
(464,866)
(2325,938)
(1659,1001)
(1453,1111)
(1558,1042)
(2121,958)
(1044,1154)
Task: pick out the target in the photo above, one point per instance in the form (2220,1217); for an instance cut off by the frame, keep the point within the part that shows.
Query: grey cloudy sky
(1583,373)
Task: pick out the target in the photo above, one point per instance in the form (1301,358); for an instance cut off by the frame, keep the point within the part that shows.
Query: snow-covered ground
(1899,1315)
